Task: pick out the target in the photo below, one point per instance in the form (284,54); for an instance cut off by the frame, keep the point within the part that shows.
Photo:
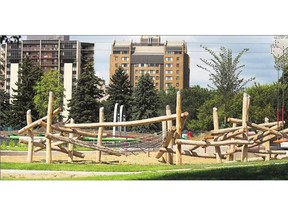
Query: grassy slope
(273,170)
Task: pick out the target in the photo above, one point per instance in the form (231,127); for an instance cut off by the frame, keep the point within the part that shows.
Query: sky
(258,61)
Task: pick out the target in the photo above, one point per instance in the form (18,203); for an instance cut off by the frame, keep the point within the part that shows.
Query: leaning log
(127,123)
(37,122)
(212,143)
(85,144)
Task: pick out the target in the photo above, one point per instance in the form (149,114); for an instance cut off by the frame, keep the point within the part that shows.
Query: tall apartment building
(62,55)
(167,63)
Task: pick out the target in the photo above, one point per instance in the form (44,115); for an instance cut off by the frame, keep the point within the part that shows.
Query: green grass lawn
(270,170)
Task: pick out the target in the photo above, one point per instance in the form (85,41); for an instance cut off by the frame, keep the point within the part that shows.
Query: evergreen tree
(120,91)
(22,99)
(146,103)
(50,81)
(84,105)
(4,109)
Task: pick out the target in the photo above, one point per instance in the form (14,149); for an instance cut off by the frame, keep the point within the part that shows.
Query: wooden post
(100,133)
(169,125)
(70,145)
(178,128)
(31,137)
(164,134)
(49,128)
(216,127)
(267,144)
(230,157)
(244,153)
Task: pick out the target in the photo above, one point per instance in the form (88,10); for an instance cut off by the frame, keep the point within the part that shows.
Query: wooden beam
(171,141)
(73,130)
(85,144)
(212,143)
(100,132)
(127,123)
(70,145)
(244,153)
(216,127)
(37,122)
(178,128)
(49,129)
(31,138)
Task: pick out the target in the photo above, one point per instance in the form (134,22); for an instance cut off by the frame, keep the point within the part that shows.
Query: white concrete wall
(68,74)
(14,68)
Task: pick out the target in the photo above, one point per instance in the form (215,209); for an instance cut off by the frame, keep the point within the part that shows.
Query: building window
(125,58)
(157,84)
(116,65)
(136,77)
(157,77)
(168,65)
(177,72)
(116,58)
(177,78)
(125,65)
(169,72)
(168,78)
(177,84)
(177,65)
(157,71)
(177,58)
(136,71)
(168,59)
(169,52)
(168,84)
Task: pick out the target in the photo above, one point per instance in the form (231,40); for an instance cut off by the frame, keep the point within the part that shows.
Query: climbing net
(145,143)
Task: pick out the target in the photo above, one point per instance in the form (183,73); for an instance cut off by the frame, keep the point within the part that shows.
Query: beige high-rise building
(167,63)
(56,54)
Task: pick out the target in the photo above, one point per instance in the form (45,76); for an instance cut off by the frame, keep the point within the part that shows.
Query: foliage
(167,98)
(4,108)
(10,39)
(224,73)
(84,105)
(50,81)
(146,103)
(120,91)
(22,99)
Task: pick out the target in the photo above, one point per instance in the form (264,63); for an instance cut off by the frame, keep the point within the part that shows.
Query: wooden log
(168,139)
(239,121)
(73,130)
(127,123)
(229,135)
(212,143)
(37,122)
(164,134)
(187,153)
(171,141)
(224,130)
(194,148)
(70,145)
(262,128)
(178,128)
(35,143)
(49,129)
(100,132)
(31,138)
(260,135)
(269,152)
(232,149)
(244,153)
(216,127)
(85,144)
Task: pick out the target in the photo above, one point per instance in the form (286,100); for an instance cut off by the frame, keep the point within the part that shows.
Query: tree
(167,97)
(224,73)
(84,105)
(4,108)
(120,91)
(50,81)
(10,39)
(146,103)
(22,99)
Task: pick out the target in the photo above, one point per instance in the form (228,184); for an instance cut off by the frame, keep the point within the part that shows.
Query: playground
(244,141)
